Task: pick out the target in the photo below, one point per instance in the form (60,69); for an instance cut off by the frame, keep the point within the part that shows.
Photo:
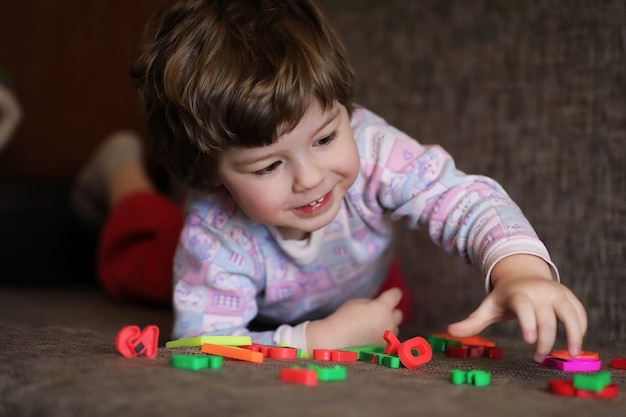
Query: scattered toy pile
(596,385)
(412,353)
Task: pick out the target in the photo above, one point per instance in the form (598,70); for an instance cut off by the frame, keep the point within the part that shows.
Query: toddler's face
(296,184)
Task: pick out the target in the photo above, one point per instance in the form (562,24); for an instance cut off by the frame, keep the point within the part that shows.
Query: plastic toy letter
(232,352)
(198,341)
(392,343)
(405,352)
(131,341)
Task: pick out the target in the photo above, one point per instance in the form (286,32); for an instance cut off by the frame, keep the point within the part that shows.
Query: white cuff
(517,247)
(293,336)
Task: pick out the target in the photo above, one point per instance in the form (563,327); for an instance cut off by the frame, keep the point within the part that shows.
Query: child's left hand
(523,288)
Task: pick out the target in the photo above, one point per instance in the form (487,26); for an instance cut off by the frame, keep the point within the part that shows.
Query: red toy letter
(405,352)
(392,342)
(131,341)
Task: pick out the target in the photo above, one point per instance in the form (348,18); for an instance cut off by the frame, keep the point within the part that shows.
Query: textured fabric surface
(531,93)
(58,358)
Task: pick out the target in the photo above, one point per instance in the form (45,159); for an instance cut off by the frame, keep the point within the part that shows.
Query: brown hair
(223,74)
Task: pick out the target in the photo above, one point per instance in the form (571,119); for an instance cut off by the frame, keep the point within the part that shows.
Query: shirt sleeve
(470,216)
(294,336)
(217,275)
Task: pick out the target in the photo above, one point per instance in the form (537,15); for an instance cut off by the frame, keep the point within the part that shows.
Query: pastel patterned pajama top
(229,269)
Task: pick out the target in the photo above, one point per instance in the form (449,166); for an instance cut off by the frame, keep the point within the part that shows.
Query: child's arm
(523,287)
(473,217)
(357,322)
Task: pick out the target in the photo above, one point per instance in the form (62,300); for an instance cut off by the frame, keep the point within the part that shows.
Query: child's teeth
(319,200)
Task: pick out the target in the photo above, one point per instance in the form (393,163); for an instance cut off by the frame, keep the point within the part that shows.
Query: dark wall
(530,92)
(67,61)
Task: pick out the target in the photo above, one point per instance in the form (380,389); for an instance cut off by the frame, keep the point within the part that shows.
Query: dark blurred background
(67,62)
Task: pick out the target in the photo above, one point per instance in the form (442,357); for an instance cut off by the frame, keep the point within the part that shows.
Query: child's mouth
(316,205)
(316,202)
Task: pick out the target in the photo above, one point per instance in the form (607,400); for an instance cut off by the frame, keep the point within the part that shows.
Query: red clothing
(137,246)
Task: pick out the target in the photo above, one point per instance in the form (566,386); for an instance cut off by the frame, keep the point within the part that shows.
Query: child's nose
(307,175)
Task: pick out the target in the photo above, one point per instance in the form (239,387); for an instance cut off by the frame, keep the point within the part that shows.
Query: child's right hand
(357,322)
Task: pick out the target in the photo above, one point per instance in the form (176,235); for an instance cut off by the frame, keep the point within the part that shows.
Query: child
(294,190)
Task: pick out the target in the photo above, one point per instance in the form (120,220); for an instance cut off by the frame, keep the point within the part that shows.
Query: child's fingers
(526,317)
(476,322)
(538,325)
(390,297)
(546,332)
(465,328)
(574,327)
(396,317)
(580,311)
(539,322)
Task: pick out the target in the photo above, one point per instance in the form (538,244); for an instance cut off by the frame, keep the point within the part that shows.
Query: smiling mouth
(315,205)
(316,202)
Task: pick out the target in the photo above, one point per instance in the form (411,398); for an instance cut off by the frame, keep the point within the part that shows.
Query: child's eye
(268,169)
(326,140)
